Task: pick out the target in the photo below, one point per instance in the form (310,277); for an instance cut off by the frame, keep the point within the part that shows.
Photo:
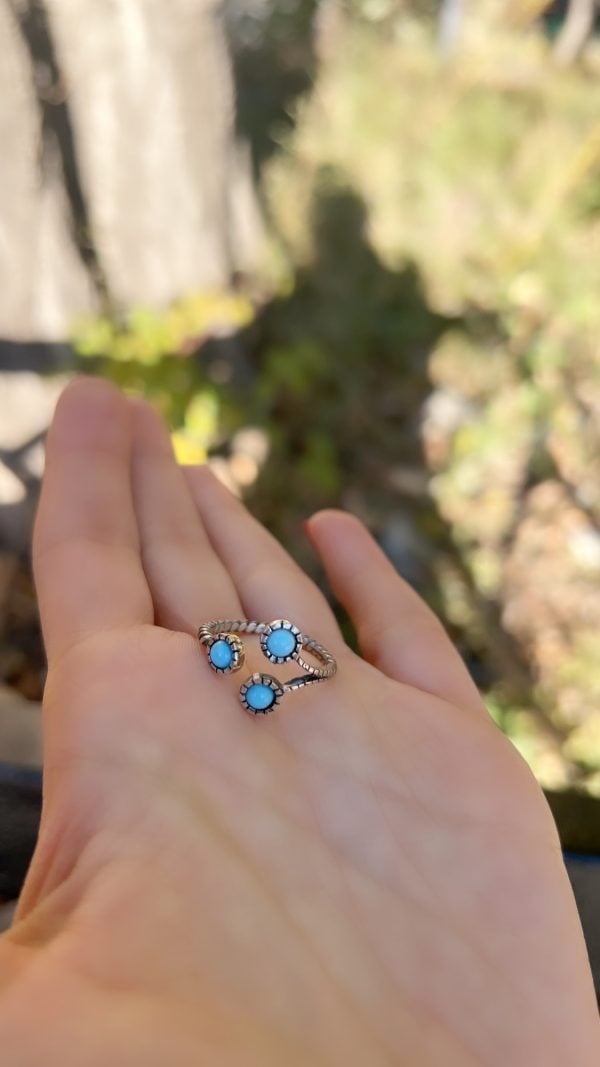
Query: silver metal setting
(261,679)
(228,629)
(281,624)
(238,652)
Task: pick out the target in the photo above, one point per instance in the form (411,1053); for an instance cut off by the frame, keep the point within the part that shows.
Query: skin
(370,875)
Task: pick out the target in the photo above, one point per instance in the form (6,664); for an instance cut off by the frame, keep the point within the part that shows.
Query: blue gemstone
(281,642)
(221,654)
(260,697)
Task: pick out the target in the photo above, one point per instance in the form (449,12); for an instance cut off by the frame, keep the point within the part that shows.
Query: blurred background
(351,249)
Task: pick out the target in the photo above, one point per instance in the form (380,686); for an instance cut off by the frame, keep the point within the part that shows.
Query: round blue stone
(281,642)
(221,654)
(260,697)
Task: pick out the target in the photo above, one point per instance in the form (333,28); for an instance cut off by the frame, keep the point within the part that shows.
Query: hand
(368,876)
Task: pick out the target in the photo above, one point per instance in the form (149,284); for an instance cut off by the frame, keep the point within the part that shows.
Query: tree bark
(43,281)
(153,111)
(122,182)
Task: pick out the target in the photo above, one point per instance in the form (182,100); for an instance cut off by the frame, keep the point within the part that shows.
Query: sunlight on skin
(368,876)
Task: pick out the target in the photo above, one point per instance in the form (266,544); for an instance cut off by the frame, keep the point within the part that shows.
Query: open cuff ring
(280,642)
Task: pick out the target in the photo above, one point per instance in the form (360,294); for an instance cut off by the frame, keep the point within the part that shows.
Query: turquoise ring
(280,642)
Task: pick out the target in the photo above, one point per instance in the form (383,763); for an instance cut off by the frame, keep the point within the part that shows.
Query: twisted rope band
(281,642)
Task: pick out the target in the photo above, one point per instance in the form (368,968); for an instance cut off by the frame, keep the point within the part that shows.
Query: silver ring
(281,642)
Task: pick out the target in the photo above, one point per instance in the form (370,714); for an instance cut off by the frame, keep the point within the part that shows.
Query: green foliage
(147,335)
(482,175)
(433,363)
(150,352)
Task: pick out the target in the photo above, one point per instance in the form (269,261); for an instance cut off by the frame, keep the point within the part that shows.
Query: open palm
(367,876)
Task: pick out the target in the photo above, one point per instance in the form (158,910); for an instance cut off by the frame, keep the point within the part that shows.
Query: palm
(350,880)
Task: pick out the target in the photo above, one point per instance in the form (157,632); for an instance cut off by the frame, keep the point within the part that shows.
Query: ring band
(281,642)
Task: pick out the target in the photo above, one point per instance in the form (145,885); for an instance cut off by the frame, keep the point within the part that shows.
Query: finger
(397,632)
(86,559)
(270,584)
(188,581)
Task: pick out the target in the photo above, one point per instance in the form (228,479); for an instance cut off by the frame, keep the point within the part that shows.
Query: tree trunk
(43,281)
(122,181)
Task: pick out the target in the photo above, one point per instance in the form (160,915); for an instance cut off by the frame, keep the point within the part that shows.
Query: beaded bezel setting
(281,641)
(253,691)
(215,649)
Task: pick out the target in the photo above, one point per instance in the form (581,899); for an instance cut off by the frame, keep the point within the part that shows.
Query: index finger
(86,558)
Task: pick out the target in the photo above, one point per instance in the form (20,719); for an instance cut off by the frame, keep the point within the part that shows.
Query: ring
(280,642)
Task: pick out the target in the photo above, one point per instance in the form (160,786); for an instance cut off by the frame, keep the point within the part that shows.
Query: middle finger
(187,579)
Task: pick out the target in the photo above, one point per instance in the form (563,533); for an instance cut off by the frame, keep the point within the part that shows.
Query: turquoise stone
(260,697)
(281,642)
(221,655)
